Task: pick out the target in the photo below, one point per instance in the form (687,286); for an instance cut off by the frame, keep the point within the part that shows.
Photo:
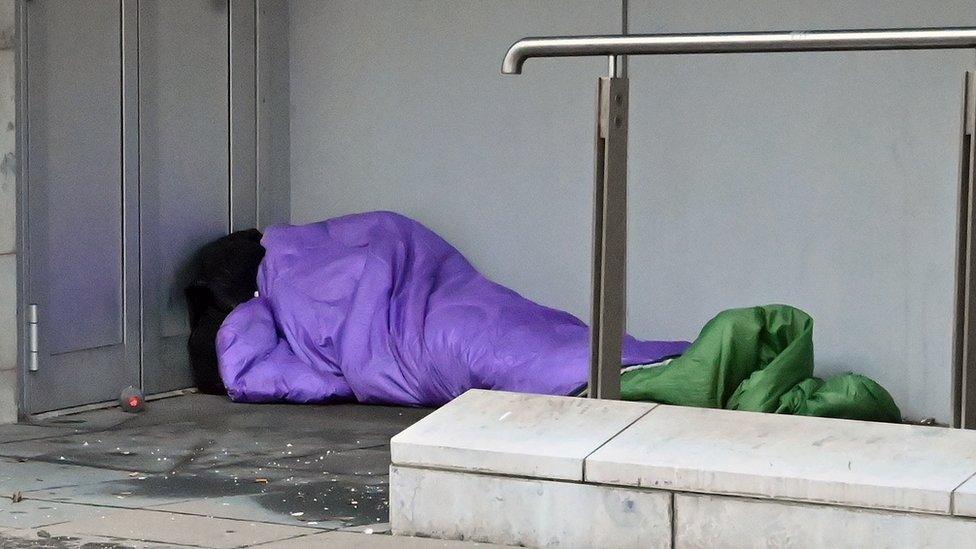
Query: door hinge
(32,346)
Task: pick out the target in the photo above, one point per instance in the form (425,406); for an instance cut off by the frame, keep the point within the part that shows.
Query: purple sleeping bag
(377,308)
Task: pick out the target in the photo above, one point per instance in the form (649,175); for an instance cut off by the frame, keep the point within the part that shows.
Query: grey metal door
(82,233)
(184,168)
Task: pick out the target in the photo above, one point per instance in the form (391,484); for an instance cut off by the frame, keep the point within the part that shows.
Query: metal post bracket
(608,306)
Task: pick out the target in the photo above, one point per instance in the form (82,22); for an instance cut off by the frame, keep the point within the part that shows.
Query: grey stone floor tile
(378,528)
(150,490)
(162,527)
(16,476)
(218,411)
(90,421)
(29,539)
(195,445)
(258,445)
(200,456)
(156,448)
(352,540)
(34,514)
(249,508)
(358,462)
(339,502)
(17,432)
(349,502)
(270,489)
(125,494)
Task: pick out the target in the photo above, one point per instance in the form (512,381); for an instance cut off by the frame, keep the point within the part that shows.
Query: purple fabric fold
(376,308)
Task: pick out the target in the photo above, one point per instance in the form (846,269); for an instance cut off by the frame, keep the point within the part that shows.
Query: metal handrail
(753,42)
(608,306)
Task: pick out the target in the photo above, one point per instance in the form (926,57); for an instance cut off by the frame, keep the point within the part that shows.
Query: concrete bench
(556,471)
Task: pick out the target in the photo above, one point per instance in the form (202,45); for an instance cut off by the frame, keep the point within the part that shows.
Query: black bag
(227,278)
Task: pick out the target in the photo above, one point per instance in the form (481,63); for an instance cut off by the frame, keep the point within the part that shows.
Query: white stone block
(529,512)
(8,339)
(964,499)
(8,164)
(8,396)
(8,312)
(718,522)
(7,24)
(514,434)
(843,462)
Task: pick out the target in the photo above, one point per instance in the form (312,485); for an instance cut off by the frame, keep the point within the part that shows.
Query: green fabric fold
(759,359)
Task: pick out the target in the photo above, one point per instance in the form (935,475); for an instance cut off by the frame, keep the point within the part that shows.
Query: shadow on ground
(311,466)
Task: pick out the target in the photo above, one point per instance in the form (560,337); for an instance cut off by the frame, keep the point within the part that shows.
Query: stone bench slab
(850,463)
(514,434)
(555,471)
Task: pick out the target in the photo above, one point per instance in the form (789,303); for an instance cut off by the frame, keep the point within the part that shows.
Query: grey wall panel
(824,180)
(663,16)
(400,106)
(243,114)
(184,168)
(273,161)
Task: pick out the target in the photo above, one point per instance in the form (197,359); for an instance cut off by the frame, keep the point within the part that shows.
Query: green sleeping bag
(758,359)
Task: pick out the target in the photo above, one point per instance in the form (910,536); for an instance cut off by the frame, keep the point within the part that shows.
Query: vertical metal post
(964,370)
(131,174)
(608,306)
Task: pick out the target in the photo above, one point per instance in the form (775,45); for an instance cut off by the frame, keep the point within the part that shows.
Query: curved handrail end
(514,59)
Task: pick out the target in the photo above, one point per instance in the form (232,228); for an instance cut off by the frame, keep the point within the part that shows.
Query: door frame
(20,125)
(243,114)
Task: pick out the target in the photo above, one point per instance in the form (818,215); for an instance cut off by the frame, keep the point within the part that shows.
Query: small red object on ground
(132,400)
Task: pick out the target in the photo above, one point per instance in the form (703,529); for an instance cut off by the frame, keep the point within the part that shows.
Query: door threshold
(103,405)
